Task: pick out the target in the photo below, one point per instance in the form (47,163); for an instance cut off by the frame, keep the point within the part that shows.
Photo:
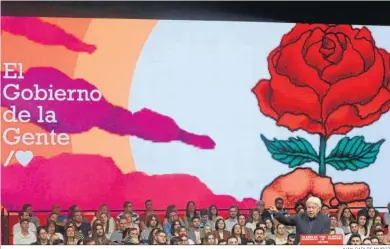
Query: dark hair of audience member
(58,242)
(236,207)
(272,230)
(374,238)
(375,228)
(260,223)
(95,235)
(188,215)
(71,212)
(176,222)
(170,209)
(291,236)
(221,241)
(149,219)
(195,218)
(175,241)
(125,204)
(233,233)
(25,207)
(89,241)
(365,224)
(210,213)
(344,220)
(203,212)
(152,239)
(354,235)
(270,242)
(23,220)
(299,205)
(258,228)
(21,214)
(216,224)
(278,199)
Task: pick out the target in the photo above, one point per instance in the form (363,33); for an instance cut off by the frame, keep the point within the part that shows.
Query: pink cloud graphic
(44,33)
(80,116)
(90,180)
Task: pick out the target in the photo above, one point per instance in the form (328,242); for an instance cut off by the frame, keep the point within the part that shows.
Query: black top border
(340,12)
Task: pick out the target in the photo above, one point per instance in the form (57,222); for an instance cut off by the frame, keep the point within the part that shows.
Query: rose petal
(351,65)
(342,130)
(364,43)
(365,33)
(347,117)
(263,93)
(298,30)
(386,61)
(295,122)
(287,97)
(315,36)
(342,40)
(356,90)
(375,104)
(315,59)
(336,50)
(292,65)
(346,29)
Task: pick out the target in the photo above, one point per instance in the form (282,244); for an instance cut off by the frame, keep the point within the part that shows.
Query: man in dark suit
(309,222)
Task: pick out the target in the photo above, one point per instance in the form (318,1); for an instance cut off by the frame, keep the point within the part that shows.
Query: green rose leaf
(353,153)
(294,151)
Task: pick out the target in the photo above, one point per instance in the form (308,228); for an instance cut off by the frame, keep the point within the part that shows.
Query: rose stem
(322,168)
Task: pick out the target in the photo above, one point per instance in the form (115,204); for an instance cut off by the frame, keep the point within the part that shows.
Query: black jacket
(321,224)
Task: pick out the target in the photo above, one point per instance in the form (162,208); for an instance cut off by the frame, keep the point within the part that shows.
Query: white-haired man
(309,222)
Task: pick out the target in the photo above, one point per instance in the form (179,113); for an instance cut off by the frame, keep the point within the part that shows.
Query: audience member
(220,232)
(196,233)
(51,230)
(149,210)
(254,219)
(152,221)
(355,239)
(369,204)
(117,235)
(232,219)
(23,215)
(190,213)
(333,224)
(128,209)
(270,242)
(280,235)
(42,237)
(213,216)
(354,228)
(259,236)
(24,235)
(61,219)
(28,208)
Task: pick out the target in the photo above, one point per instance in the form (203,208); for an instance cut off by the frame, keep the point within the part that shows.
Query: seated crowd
(195,227)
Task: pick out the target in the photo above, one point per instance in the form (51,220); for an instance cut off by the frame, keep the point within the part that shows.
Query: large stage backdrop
(106,110)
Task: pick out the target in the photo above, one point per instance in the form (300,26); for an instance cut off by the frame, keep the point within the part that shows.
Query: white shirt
(31,227)
(279,241)
(339,230)
(19,239)
(251,225)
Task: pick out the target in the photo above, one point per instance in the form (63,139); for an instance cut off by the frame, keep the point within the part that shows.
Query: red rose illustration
(326,79)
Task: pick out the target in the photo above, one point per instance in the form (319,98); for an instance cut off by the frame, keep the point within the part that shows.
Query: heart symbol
(24,157)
